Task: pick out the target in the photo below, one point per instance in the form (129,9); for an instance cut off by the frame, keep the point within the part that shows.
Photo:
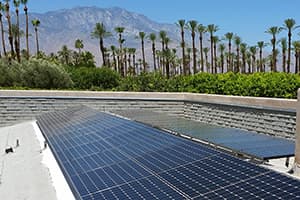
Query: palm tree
(24,2)
(188,59)
(152,38)
(100,33)
(192,25)
(16,34)
(274,30)
(229,37)
(205,51)
(283,44)
(10,36)
(261,45)
(2,9)
(162,36)
(36,24)
(119,30)
(125,51)
(201,30)
(166,53)
(215,41)
(113,49)
(211,28)
(182,24)
(243,50)
(131,52)
(17,4)
(142,36)
(222,49)
(248,60)
(253,51)
(237,42)
(79,45)
(64,53)
(289,24)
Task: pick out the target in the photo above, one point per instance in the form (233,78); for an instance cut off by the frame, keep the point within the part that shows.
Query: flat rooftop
(30,172)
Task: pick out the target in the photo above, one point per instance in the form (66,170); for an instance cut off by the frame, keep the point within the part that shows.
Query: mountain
(63,27)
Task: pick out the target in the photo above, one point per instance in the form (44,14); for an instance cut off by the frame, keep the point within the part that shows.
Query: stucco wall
(265,115)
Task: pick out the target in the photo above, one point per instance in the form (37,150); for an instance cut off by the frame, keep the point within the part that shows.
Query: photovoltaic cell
(257,145)
(106,157)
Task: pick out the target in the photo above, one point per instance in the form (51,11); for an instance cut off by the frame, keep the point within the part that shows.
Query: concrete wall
(266,115)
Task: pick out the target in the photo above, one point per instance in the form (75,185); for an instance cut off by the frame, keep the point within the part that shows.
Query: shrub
(94,78)
(35,73)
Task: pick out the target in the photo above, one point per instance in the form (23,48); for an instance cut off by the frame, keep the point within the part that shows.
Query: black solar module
(250,143)
(106,157)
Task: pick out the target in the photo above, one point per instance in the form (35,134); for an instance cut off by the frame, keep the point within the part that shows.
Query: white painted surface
(60,184)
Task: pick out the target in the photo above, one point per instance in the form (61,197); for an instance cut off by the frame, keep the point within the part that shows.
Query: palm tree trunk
(201,52)
(125,64)
(162,57)
(2,34)
(143,55)
(289,52)
(206,63)
(18,37)
(194,54)
(283,61)
(153,55)
(212,53)
(10,37)
(134,63)
(102,51)
(237,60)
(215,58)
(274,54)
(253,64)
(296,63)
(27,33)
(229,56)
(222,62)
(37,42)
(115,61)
(260,61)
(183,52)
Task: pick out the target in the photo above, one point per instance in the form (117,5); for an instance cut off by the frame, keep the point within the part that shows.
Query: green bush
(146,82)
(35,73)
(94,78)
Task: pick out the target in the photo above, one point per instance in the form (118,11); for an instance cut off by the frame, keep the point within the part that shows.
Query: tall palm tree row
(223,57)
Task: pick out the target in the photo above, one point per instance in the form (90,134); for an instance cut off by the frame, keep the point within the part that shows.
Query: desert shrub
(35,73)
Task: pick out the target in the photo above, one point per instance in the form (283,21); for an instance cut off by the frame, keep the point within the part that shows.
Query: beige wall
(278,103)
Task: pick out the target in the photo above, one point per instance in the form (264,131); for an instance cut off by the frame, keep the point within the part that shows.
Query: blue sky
(247,18)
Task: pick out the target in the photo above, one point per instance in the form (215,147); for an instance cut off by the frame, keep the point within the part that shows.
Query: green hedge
(94,78)
(278,84)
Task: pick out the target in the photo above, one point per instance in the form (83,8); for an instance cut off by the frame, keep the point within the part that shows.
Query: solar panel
(106,157)
(256,145)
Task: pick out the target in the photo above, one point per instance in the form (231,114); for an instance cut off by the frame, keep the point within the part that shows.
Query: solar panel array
(250,143)
(106,157)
